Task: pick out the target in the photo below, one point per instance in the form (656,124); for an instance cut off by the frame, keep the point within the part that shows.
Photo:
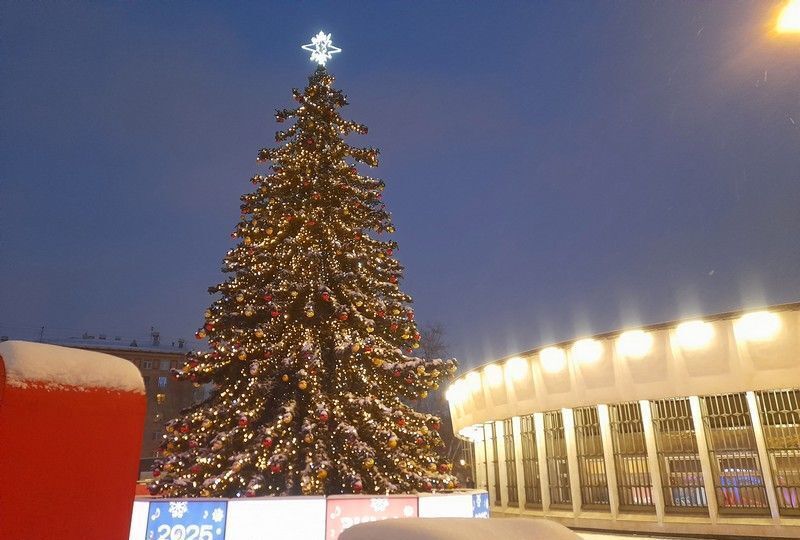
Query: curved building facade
(689,427)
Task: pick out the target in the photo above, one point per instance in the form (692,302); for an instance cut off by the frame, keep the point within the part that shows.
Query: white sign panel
(459,505)
(139,520)
(286,518)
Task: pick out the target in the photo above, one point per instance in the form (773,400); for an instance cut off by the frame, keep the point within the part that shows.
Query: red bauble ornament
(156,473)
(267,297)
(389,252)
(443,468)
(343,316)
(409,381)
(243,421)
(310,223)
(420,441)
(267,443)
(326,296)
(323,416)
(392,279)
(184,429)
(194,469)
(380,314)
(436,426)
(274,312)
(276,468)
(357,486)
(393,327)
(353,170)
(193,444)
(250,493)
(397,373)
(410,315)
(401,422)
(358,236)
(209,327)
(427,486)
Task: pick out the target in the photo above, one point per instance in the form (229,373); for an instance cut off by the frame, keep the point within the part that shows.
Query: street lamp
(789,19)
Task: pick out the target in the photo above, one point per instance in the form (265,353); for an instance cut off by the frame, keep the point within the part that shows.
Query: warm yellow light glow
(789,20)
(635,343)
(587,351)
(694,335)
(758,326)
(474,381)
(494,375)
(457,392)
(552,359)
(516,368)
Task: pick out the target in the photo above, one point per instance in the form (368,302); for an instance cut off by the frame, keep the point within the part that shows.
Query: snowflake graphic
(321,48)
(379,505)
(177,509)
(217,515)
(408,511)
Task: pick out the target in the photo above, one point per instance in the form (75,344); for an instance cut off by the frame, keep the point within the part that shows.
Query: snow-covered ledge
(62,368)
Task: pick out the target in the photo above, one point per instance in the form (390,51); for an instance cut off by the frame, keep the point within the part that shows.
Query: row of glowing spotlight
(694,335)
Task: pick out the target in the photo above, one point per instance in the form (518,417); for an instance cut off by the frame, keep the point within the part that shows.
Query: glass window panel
(678,457)
(491,432)
(556,453)
(591,463)
(780,418)
(511,463)
(530,463)
(630,457)
(738,482)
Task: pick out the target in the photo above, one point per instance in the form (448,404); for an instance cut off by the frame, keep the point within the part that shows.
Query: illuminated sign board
(344,512)
(187,520)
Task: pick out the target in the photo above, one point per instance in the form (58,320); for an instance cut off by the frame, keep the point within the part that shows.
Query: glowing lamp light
(758,326)
(456,393)
(494,375)
(474,381)
(516,368)
(789,19)
(587,351)
(635,343)
(552,359)
(321,48)
(693,335)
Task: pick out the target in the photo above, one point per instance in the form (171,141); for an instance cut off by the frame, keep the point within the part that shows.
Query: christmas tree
(311,339)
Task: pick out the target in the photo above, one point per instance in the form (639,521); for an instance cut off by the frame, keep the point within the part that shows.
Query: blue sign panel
(480,505)
(187,520)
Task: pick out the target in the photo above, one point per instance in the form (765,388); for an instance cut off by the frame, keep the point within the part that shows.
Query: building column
(541,460)
(705,460)
(608,458)
(517,424)
(652,459)
(489,450)
(572,459)
(499,430)
(763,456)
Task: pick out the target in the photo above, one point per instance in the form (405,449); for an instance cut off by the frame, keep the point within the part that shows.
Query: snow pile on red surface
(63,368)
(460,529)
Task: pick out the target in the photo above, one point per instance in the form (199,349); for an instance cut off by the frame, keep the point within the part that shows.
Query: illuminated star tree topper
(321,48)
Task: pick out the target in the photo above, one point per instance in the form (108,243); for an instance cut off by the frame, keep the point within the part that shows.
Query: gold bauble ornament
(242,356)
(240,298)
(308,439)
(415,346)
(268,230)
(309,313)
(423,394)
(207,314)
(322,474)
(247,240)
(287,418)
(420,370)
(370,329)
(356,347)
(302,385)
(377,362)
(237,466)
(368,463)
(259,333)
(248,312)
(294,294)
(285,377)
(392,442)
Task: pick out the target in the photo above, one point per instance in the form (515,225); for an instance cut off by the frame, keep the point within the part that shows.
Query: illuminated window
(738,482)
(556,453)
(511,463)
(678,457)
(780,418)
(530,463)
(162,382)
(630,457)
(591,463)
(491,434)
(147,364)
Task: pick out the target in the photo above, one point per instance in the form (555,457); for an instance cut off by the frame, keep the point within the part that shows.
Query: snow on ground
(62,367)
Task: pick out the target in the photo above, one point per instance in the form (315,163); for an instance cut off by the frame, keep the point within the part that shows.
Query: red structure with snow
(70,430)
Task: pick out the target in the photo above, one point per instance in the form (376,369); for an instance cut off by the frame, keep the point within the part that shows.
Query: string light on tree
(310,334)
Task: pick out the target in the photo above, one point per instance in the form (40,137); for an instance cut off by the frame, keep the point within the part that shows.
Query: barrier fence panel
(630,457)
(530,463)
(678,457)
(591,462)
(780,419)
(511,463)
(738,481)
(556,452)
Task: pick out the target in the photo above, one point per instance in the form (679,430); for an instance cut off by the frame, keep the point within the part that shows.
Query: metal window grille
(556,453)
(591,462)
(678,457)
(738,482)
(530,463)
(630,457)
(495,464)
(511,463)
(780,419)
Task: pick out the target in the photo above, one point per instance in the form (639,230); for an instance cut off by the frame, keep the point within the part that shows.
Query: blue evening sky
(554,168)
